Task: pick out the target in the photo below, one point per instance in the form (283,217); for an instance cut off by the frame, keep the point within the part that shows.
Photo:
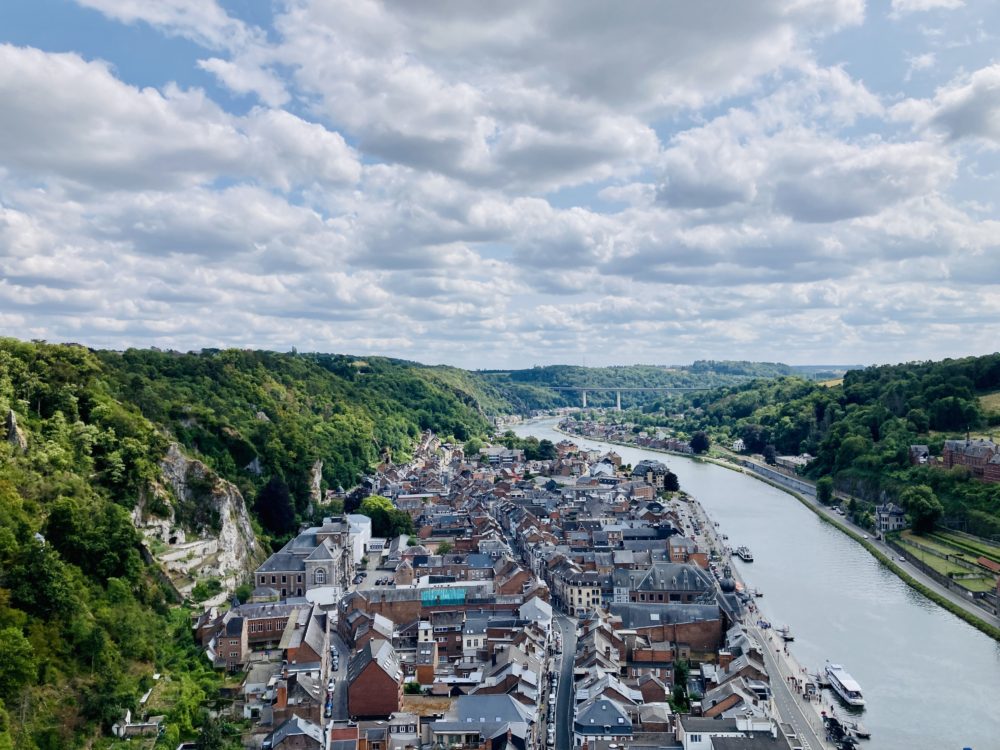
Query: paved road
(564,699)
(802,718)
(911,570)
(340,691)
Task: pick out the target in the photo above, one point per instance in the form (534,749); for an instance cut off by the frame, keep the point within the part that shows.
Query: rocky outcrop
(197,525)
(316,485)
(15,435)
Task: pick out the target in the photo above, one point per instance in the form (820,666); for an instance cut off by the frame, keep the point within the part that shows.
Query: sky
(509,184)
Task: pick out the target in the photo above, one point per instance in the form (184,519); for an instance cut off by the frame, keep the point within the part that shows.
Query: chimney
(281,695)
(725,659)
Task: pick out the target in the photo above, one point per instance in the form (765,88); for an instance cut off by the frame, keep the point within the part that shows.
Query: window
(274,579)
(283,579)
(319,577)
(695,737)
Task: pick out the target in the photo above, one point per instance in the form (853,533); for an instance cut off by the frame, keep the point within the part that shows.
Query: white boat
(845,685)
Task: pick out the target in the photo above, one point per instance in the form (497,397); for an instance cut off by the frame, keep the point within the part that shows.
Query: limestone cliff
(315,485)
(15,435)
(197,526)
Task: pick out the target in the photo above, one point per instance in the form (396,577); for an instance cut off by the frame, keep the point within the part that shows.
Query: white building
(360,534)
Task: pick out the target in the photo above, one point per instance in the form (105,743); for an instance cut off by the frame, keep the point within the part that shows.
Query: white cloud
(501,184)
(203,21)
(920,62)
(247,77)
(966,108)
(904,7)
(67,117)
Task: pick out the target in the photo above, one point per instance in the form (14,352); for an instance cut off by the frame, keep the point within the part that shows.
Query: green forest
(860,431)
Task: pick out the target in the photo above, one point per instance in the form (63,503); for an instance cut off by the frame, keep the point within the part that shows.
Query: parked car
(331,684)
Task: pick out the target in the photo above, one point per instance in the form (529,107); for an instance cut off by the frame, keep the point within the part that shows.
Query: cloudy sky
(504,184)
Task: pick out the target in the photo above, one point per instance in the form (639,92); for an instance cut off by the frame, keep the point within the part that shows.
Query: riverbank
(844,605)
(787,677)
(929,588)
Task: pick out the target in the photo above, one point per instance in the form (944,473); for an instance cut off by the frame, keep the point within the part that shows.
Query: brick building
(375,682)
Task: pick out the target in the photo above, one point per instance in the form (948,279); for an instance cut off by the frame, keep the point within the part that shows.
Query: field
(831,383)
(925,547)
(990,402)
(973,546)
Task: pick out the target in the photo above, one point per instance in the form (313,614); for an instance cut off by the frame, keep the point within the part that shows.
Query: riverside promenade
(788,677)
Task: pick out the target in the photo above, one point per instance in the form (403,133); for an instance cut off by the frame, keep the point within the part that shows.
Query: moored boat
(785,633)
(743,552)
(858,730)
(844,685)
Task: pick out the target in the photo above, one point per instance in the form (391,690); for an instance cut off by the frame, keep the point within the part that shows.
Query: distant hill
(529,389)
(860,430)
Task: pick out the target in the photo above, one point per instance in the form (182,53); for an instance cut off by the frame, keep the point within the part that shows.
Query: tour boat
(845,685)
(743,552)
(785,633)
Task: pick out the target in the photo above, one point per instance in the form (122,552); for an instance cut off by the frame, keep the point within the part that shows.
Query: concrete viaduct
(585,389)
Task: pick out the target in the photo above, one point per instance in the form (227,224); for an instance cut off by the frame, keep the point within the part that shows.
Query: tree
(275,508)
(472,447)
(700,442)
(919,420)
(444,548)
(212,736)
(412,688)
(851,448)
(17,663)
(824,490)
(769,454)
(670,482)
(387,521)
(546,450)
(923,506)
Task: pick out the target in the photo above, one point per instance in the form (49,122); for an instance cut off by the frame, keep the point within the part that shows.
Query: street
(803,720)
(340,691)
(564,698)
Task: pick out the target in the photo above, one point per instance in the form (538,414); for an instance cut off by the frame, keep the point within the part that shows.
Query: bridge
(585,389)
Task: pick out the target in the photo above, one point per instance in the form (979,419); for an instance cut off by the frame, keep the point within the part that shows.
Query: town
(571,602)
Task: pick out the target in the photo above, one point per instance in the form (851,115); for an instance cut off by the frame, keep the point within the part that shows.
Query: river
(930,680)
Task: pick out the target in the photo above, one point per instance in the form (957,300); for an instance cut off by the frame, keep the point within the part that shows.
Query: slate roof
(380,652)
(650,615)
(757,741)
(702,724)
(663,576)
(602,716)
(282,562)
(491,708)
(296,727)
(322,552)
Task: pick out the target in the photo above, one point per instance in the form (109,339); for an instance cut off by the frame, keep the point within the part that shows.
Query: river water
(930,680)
